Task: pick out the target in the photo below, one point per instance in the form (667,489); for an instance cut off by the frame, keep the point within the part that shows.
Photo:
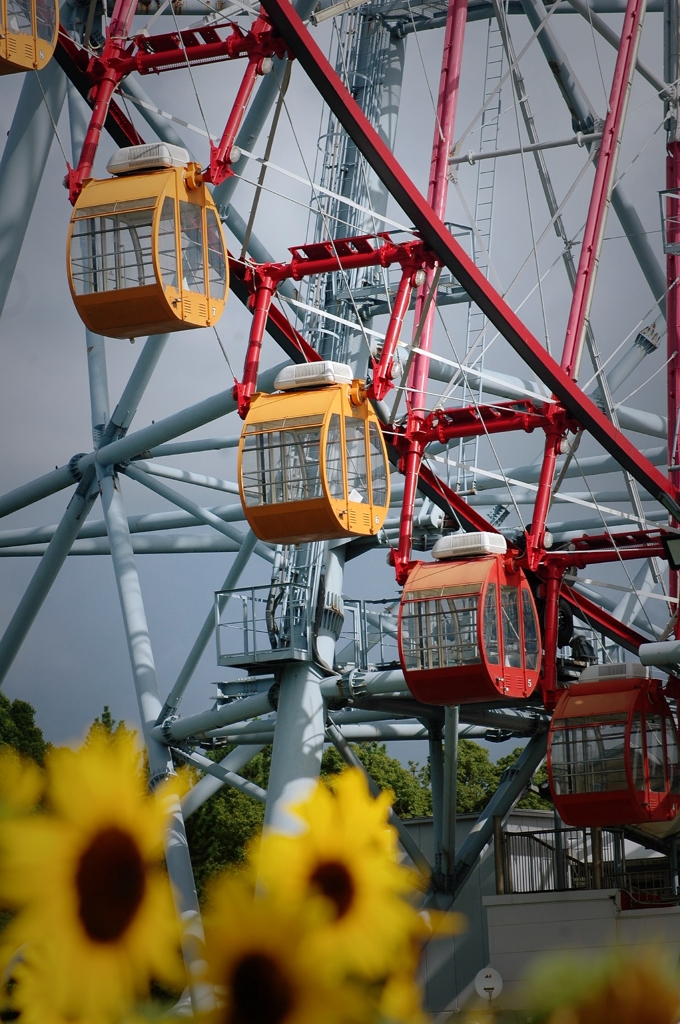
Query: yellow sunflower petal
(94,902)
(346,860)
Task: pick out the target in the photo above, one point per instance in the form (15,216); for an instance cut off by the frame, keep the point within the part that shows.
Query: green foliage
(412,797)
(532,801)
(477,777)
(221,829)
(18,729)
(108,724)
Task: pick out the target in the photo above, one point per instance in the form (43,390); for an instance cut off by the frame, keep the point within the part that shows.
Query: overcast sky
(75,658)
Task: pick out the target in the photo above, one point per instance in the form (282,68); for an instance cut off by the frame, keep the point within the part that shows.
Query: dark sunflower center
(110,883)
(261,992)
(334,881)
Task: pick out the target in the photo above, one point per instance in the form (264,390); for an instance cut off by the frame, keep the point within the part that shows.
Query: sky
(75,660)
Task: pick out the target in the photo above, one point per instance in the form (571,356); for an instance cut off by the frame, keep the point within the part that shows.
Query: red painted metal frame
(602,188)
(146,54)
(437,238)
(154,54)
(602,621)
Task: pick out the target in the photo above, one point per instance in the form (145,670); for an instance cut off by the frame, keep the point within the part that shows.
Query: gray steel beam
(513,782)
(405,838)
(209,784)
(185,477)
(207,721)
(133,391)
(150,522)
(225,776)
(174,545)
(208,444)
(207,629)
(148,699)
(584,118)
(450,794)
(197,511)
(23,162)
(46,573)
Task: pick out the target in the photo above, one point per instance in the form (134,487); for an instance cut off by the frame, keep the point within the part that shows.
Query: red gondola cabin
(613,750)
(468,629)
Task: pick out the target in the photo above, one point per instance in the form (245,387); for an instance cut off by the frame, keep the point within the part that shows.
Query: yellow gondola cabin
(146,250)
(312,460)
(28,34)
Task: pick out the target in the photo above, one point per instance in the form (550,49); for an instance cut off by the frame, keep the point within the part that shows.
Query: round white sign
(488,983)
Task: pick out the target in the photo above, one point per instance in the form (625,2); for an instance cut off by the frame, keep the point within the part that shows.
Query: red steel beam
(584,286)
(451,254)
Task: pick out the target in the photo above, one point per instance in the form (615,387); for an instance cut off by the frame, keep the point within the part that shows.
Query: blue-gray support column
(450,798)
(46,573)
(133,391)
(148,699)
(437,787)
(23,162)
(513,783)
(207,629)
(298,744)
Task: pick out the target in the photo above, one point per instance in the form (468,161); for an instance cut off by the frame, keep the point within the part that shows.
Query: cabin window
(20,17)
(334,474)
(512,643)
(46,20)
(590,758)
(655,753)
(441,633)
(491,626)
(672,765)
(357,469)
(217,263)
(167,243)
(378,465)
(530,631)
(112,252)
(191,244)
(637,754)
(281,465)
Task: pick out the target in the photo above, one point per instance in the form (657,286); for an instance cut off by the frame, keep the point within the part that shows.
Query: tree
(108,724)
(532,801)
(18,729)
(219,832)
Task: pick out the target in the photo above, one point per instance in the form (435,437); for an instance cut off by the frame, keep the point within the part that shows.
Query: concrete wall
(523,926)
(449,965)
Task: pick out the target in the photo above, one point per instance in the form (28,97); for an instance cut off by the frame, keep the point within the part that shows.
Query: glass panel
(336,483)
(378,466)
(191,243)
(46,19)
(589,759)
(167,244)
(112,253)
(19,17)
(512,645)
(281,466)
(217,261)
(440,634)
(655,757)
(637,757)
(357,470)
(672,758)
(491,626)
(530,630)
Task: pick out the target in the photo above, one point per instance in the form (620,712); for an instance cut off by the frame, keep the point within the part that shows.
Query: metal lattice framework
(376,245)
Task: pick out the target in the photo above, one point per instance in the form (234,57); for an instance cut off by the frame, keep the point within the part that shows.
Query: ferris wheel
(460,345)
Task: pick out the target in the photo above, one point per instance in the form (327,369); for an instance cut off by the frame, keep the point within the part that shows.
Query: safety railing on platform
(567,859)
(257,626)
(369,637)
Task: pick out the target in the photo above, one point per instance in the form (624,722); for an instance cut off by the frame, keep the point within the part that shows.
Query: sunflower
(94,906)
(259,964)
(345,862)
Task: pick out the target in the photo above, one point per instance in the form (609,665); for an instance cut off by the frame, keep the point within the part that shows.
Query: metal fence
(257,626)
(595,858)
